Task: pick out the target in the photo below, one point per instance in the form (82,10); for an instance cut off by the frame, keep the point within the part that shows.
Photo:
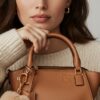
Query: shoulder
(93,45)
(90,55)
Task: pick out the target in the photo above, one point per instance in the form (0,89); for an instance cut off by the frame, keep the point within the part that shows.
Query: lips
(40,18)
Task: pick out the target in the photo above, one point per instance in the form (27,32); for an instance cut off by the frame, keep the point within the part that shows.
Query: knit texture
(88,53)
(13,55)
(12,48)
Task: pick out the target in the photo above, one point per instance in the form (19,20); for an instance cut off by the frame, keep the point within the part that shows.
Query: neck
(55,30)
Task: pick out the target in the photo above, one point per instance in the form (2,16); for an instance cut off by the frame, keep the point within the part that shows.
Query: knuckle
(27,27)
(44,35)
(27,34)
(35,40)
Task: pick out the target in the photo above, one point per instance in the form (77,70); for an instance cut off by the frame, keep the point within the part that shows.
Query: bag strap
(29,67)
(76,59)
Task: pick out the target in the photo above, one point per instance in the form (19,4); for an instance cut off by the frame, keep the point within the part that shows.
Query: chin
(46,27)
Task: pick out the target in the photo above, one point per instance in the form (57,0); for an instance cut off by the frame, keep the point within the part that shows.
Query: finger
(35,42)
(43,35)
(40,34)
(47,45)
(40,29)
(39,37)
(32,38)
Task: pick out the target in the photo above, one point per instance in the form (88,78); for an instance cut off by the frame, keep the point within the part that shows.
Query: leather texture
(55,83)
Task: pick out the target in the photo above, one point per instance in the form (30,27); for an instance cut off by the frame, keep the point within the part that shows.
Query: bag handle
(76,62)
(76,59)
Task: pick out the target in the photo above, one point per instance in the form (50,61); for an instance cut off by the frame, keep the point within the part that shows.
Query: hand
(9,95)
(33,35)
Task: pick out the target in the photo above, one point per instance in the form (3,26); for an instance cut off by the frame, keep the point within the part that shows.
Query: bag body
(55,83)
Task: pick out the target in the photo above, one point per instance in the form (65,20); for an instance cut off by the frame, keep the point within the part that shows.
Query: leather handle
(76,59)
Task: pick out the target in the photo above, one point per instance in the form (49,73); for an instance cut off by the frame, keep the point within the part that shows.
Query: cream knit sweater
(13,55)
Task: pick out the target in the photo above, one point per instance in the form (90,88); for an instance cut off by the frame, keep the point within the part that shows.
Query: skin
(34,31)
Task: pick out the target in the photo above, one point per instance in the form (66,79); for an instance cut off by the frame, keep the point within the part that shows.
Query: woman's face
(46,14)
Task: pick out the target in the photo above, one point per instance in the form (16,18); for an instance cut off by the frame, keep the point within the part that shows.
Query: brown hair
(73,25)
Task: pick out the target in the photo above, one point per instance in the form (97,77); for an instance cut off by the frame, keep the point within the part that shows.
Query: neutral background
(93,21)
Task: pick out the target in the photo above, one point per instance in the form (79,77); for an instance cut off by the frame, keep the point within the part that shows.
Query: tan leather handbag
(70,83)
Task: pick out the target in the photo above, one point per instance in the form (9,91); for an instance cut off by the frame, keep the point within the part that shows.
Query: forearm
(12,48)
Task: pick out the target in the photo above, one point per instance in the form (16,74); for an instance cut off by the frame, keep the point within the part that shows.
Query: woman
(24,23)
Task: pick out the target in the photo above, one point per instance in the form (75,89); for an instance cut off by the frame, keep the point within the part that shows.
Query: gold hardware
(23,79)
(78,71)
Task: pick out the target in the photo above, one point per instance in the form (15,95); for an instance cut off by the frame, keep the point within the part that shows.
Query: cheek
(22,5)
(22,11)
(59,13)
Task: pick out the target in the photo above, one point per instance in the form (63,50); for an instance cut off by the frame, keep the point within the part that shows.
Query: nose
(41,4)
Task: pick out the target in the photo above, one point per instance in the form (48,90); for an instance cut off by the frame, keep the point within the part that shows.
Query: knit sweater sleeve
(12,48)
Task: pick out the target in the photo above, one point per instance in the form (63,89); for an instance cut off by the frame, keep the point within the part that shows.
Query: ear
(68,3)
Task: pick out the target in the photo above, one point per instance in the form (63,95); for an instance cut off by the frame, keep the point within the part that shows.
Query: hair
(73,25)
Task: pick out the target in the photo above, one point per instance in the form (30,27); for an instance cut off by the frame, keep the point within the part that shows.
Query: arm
(12,48)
